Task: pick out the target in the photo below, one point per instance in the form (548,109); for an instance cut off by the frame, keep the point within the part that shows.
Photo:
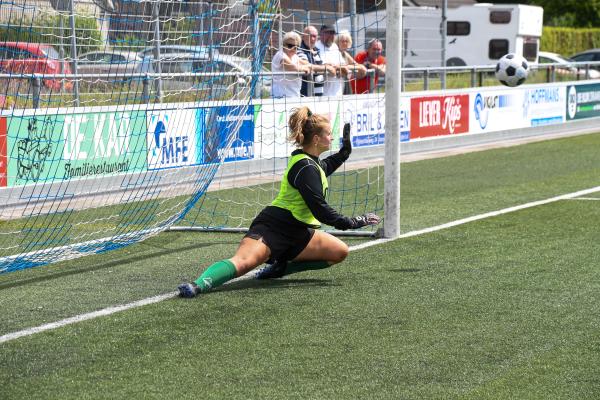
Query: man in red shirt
(373,60)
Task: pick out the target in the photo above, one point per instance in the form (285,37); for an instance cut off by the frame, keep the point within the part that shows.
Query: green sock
(299,266)
(216,275)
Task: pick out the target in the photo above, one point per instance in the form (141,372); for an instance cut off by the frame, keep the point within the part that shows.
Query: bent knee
(340,254)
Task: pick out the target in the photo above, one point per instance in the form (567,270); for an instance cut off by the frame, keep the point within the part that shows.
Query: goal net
(122,118)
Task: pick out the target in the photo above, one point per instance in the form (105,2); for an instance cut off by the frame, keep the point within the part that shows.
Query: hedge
(568,41)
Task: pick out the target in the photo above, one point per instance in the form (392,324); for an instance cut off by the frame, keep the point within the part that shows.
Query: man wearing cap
(330,53)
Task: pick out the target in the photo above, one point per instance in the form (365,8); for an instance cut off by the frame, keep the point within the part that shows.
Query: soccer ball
(512,70)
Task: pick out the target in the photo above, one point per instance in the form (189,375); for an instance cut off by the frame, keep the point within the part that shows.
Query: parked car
(167,50)
(33,58)
(565,65)
(588,55)
(112,62)
(218,84)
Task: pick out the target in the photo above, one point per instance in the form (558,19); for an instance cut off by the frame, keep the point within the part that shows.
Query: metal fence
(100,52)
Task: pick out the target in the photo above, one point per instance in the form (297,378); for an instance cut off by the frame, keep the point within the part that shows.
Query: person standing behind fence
(372,60)
(334,85)
(356,70)
(287,60)
(310,53)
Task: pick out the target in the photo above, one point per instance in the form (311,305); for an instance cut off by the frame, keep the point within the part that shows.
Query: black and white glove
(364,220)
(346,148)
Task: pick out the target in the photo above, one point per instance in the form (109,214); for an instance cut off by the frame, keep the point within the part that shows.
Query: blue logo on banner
(173,149)
(227,133)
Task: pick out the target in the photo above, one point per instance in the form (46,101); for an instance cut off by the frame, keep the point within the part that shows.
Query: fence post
(426,79)
(157,66)
(310,84)
(371,73)
(74,52)
(255,45)
(36,84)
(473,77)
(146,89)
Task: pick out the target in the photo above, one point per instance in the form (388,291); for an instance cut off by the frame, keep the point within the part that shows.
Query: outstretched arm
(305,177)
(334,161)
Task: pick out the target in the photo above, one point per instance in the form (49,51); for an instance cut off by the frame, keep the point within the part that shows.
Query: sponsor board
(544,106)
(496,110)
(172,138)
(61,147)
(439,115)
(583,101)
(3,155)
(271,125)
(226,133)
(367,118)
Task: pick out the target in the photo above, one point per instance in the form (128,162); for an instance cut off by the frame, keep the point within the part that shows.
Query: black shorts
(285,241)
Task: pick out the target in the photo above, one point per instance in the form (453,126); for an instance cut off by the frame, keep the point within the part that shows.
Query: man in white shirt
(330,53)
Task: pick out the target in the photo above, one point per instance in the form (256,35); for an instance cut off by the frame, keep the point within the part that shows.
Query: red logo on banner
(3,151)
(439,115)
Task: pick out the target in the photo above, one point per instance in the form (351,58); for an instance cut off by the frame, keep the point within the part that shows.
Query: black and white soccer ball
(512,70)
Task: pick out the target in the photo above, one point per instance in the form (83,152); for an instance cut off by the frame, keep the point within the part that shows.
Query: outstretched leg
(249,255)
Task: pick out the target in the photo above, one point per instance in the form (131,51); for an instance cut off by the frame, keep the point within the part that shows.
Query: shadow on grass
(262,284)
(60,271)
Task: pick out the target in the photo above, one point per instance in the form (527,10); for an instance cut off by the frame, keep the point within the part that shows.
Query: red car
(28,58)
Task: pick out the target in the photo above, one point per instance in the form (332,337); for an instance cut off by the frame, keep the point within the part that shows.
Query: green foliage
(47,30)
(570,13)
(569,41)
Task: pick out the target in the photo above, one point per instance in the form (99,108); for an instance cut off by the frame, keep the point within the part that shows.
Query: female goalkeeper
(285,233)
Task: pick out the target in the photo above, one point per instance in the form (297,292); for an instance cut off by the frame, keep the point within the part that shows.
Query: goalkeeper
(285,234)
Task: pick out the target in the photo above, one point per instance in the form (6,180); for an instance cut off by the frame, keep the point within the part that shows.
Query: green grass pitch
(502,308)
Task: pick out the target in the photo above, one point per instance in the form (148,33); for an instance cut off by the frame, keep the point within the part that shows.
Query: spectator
(310,53)
(330,53)
(356,70)
(372,60)
(287,60)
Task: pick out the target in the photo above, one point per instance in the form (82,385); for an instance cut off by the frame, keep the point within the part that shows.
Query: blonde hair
(304,125)
(291,36)
(345,35)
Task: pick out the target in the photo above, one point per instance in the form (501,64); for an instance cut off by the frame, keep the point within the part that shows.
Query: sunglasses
(290,45)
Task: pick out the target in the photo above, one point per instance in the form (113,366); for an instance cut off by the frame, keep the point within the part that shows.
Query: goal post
(393,91)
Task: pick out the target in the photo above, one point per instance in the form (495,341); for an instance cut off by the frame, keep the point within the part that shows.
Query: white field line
(250,275)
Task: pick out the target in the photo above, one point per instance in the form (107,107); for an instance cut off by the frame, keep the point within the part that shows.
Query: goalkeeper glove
(364,220)
(346,148)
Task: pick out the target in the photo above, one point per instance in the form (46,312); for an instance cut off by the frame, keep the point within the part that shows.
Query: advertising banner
(226,133)
(544,106)
(496,110)
(583,101)
(439,115)
(367,117)
(172,139)
(60,147)
(3,155)
(271,125)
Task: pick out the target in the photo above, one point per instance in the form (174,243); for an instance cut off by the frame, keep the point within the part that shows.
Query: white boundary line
(156,299)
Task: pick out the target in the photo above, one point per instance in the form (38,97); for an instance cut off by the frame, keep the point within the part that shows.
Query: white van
(476,34)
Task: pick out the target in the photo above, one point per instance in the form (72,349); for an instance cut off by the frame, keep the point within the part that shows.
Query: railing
(29,90)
